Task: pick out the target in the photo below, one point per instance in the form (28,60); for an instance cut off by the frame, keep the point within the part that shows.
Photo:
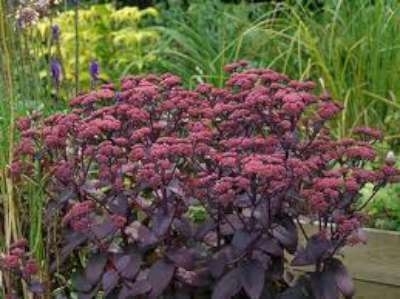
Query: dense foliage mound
(154,189)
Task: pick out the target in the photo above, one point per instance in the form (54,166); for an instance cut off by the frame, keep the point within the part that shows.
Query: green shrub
(384,210)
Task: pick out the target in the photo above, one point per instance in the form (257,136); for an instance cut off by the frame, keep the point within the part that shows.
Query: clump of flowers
(129,167)
(19,264)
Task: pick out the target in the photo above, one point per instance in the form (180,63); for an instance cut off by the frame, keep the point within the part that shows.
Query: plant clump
(20,265)
(161,190)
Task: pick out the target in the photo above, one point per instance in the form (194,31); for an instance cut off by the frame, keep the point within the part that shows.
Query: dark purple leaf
(80,283)
(141,234)
(241,240)
(204,228)
(242,201)
(95,267)
(128,265)
(160,276)
(228,286)
(36,287)
(131,290)
(301,258)
(234,225)
(183,227)
(317,247)
(109,281)
(262,257)
(260,212)
(342,278)
(286,233)
(182,257)
(162,221)
(323,285)
(119,205)
(270,246)
(217,266)
(252,277)
(219,261)
(103,230)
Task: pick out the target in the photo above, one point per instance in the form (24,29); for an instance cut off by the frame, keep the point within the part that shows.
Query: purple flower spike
(94,70)
(55,33)
(56,72)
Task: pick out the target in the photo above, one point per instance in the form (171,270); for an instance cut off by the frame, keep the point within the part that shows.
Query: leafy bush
(117,39)
(384,210)
(159,190)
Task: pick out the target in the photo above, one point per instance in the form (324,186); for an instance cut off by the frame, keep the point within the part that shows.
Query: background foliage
(350,47)
(119,40)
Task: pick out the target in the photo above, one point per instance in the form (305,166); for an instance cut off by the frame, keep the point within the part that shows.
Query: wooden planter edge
(378,261)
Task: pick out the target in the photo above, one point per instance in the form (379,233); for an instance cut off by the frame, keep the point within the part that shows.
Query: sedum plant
(157,191)
(113,37)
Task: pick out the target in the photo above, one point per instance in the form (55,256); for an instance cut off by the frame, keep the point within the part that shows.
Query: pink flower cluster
(78,212)
(19,263)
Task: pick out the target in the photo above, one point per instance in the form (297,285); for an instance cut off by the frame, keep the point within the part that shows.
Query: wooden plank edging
(378,261)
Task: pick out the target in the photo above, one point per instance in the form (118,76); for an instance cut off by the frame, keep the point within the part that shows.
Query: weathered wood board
(378,260)
(368,290)
(375,266)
